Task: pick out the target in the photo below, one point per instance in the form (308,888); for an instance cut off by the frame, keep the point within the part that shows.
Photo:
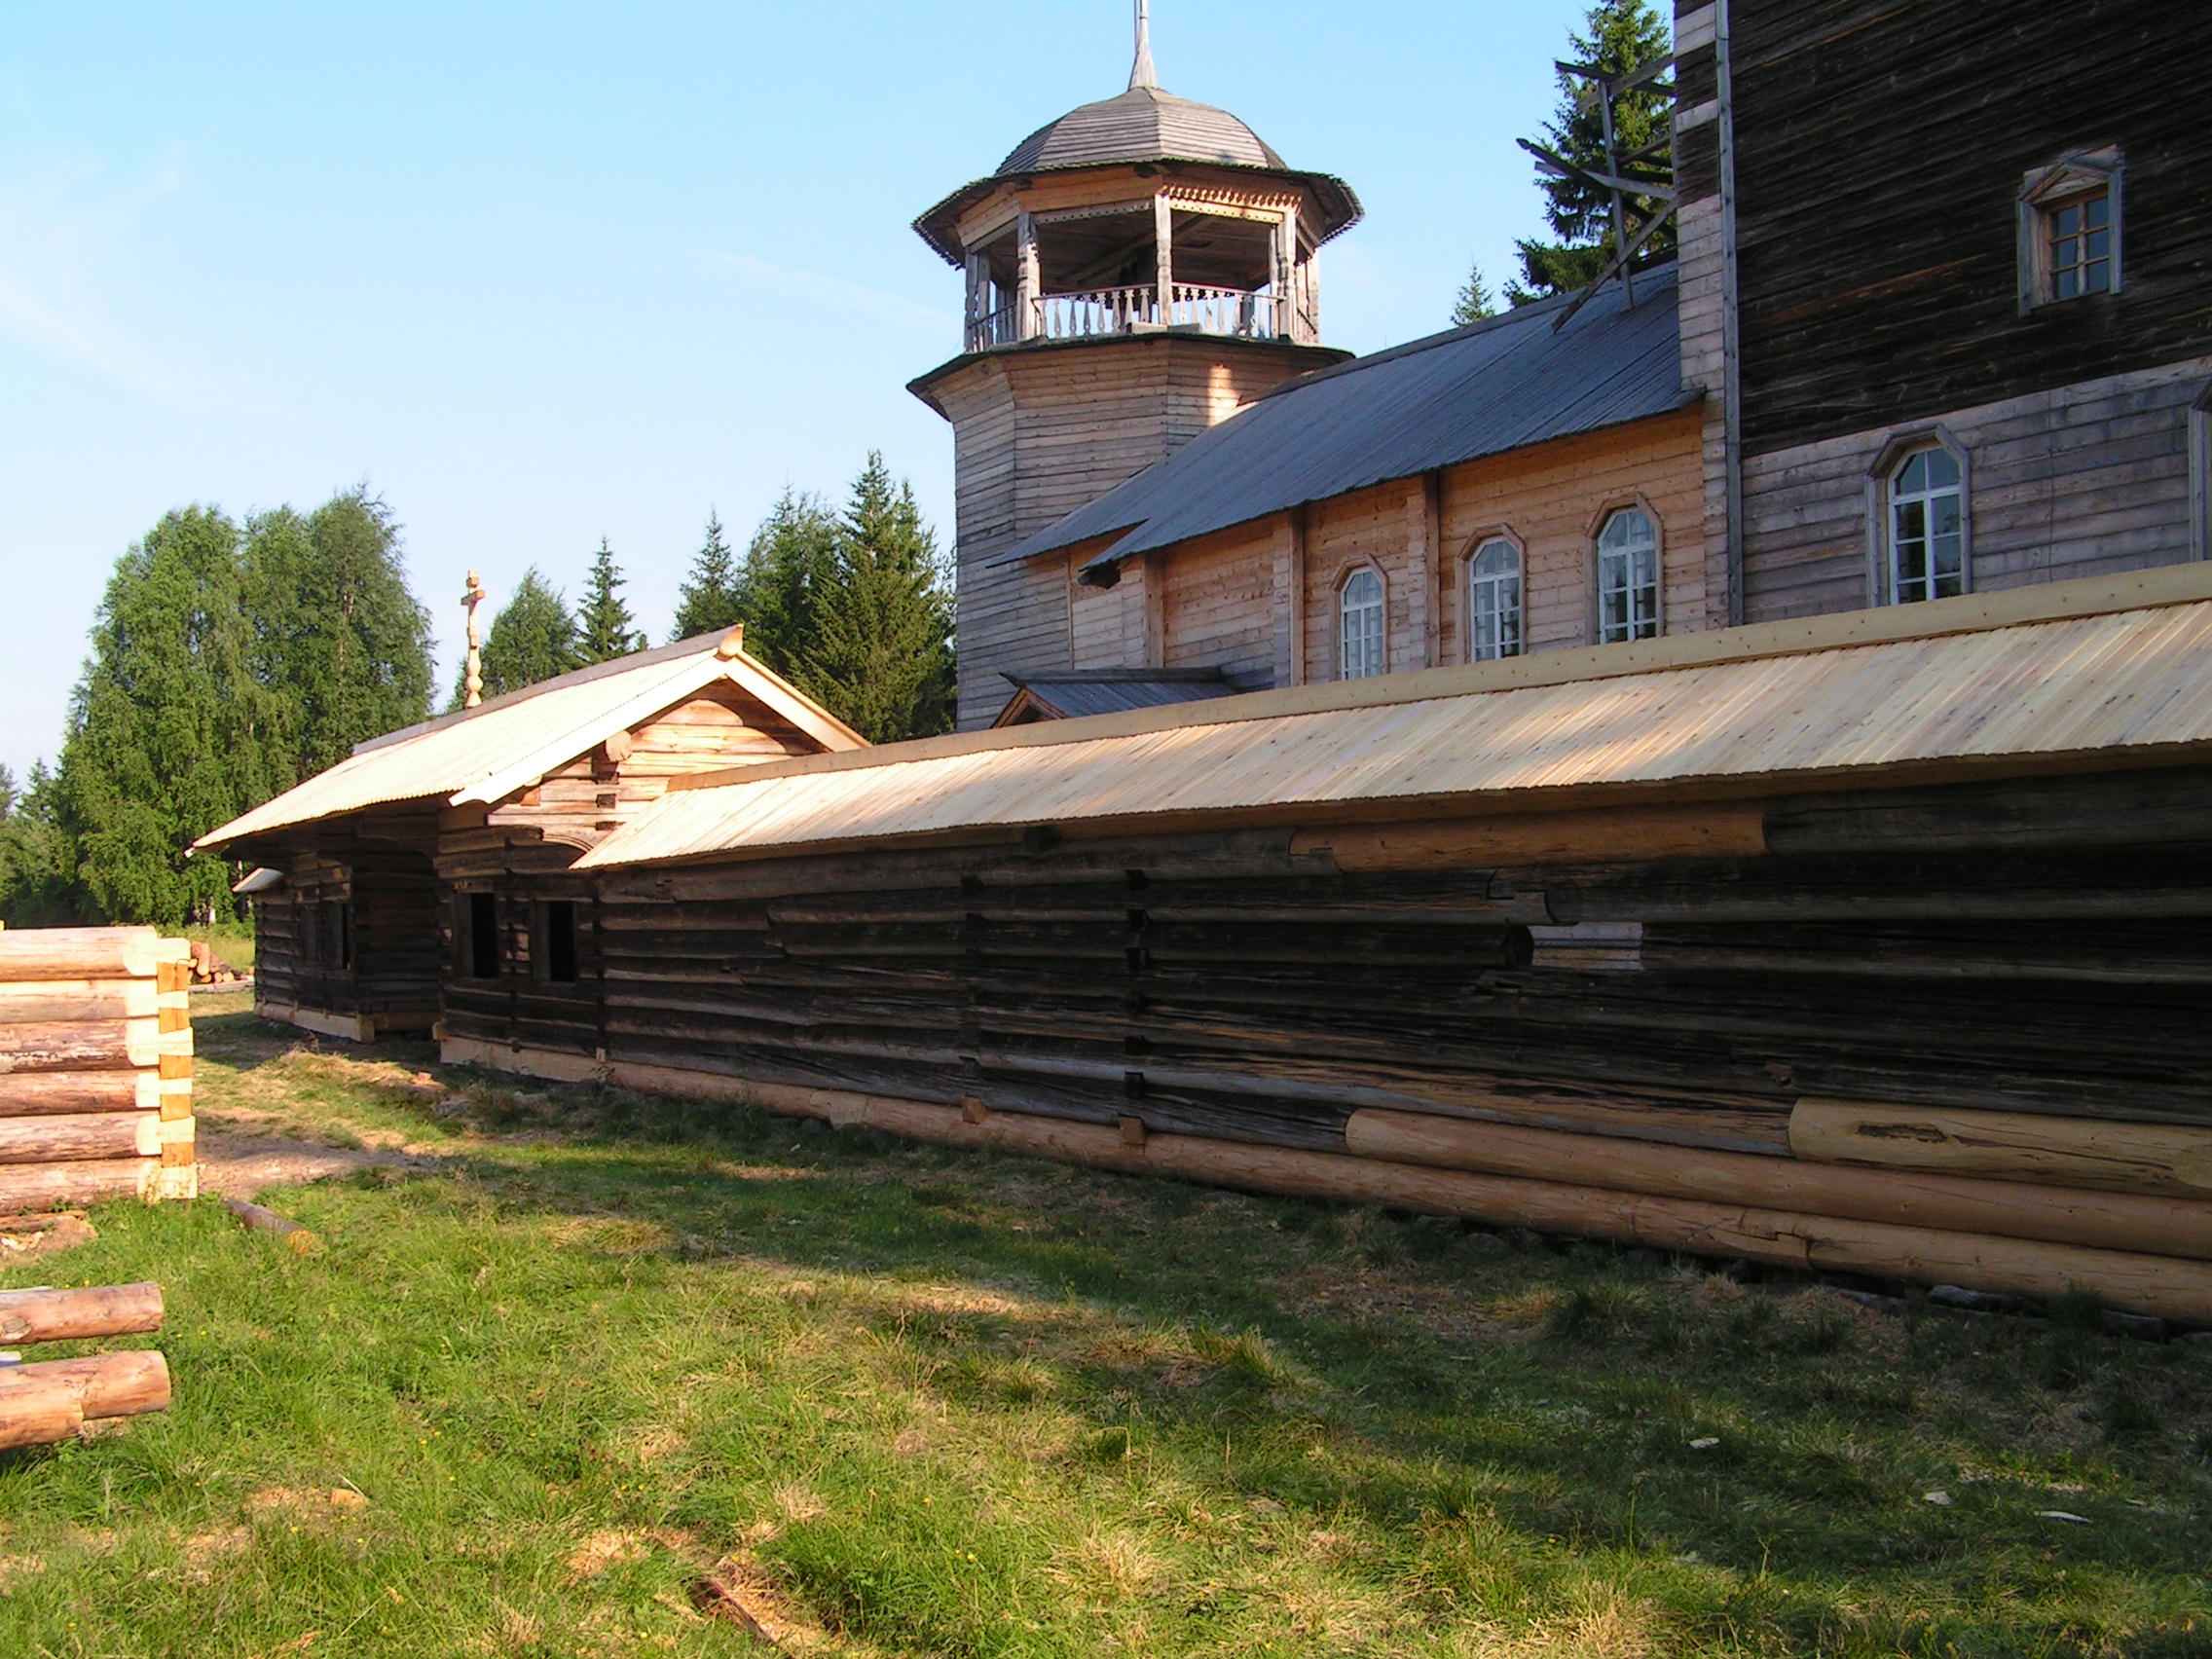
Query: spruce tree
(1618,36)
(880,658)
(170,733)
(38,864)
(791,557)
(1474,302)
(706,602)
(340,642)
(531,638)
(604,627)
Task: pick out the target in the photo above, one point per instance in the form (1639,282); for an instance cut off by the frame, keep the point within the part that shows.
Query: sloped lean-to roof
(2052,679)
(485,754)
(1480,390)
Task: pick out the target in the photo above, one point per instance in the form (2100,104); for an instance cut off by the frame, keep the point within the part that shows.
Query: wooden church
(1721,760)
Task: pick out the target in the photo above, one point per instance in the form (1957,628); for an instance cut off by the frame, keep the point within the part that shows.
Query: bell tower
(1135,271)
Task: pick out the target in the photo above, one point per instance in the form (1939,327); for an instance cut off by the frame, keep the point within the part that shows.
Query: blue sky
(544,274)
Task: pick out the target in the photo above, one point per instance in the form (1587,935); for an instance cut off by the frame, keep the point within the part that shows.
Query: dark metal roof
(1496,386)
(1072,694)
(1142,124)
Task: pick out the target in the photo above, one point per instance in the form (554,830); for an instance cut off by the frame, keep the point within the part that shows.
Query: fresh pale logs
(69,1315)
(71,1139)
(2014,1146)
(27,1000)
(29,1093)
(83,953)
(51,1400)
(33,1415)
(1720,830)
(2165,1286)
(1911,1197)
(42,1186)
(104,1385)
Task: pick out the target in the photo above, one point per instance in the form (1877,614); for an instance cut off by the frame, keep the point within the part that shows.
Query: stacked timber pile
(50,1400)
(1935,1035)
(95,1067)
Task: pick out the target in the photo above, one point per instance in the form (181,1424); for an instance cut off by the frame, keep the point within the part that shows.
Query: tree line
(231,660)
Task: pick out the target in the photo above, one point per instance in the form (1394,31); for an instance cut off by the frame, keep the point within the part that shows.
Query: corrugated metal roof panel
(488,751)
(1496,386)
(2131,678)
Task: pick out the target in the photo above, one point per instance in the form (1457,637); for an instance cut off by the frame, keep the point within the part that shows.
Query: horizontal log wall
(2021,965)
(95,1067)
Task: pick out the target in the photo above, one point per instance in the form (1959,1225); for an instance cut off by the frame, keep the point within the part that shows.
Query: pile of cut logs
(95,1067)
(53,1399)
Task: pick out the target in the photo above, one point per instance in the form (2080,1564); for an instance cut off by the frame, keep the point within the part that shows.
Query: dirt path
(234,1164)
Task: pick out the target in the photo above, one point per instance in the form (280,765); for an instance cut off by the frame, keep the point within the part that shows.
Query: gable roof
(2050,678)
(1500,385)
(485,754)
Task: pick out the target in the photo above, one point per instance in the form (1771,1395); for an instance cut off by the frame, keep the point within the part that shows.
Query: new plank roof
(487,753)
(2038,678)
(1480,390)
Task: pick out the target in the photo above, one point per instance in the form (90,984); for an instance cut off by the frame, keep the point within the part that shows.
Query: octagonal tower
(1136,271)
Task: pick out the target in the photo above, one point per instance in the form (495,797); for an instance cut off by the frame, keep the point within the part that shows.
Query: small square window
(2070,216)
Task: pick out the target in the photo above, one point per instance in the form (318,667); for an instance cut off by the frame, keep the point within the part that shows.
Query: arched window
(1360,611)
(1628,576)
(1928,513)
(1493,600)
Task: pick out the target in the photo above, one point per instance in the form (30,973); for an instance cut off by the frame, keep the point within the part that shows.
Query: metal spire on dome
(1141,72)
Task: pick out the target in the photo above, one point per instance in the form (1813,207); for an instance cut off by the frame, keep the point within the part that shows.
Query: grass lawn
(580,1348)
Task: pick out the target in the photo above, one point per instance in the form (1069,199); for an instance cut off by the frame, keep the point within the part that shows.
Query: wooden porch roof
(2109,671)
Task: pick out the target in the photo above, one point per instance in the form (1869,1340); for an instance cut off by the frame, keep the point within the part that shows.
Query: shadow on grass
(1420,1373)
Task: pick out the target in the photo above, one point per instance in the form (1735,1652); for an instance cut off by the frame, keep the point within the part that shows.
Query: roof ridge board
(585,676)
(2159,587)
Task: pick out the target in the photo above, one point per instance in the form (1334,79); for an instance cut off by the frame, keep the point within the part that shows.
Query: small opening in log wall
(483,935)
(553,946)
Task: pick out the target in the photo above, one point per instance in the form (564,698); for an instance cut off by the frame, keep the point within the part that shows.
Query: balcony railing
(1097,313)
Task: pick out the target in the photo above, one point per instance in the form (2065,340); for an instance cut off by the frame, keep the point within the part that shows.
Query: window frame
(2046,190)
(1603,520)
(1902,447)
(1482,542)
(2200,476)
(1382,608)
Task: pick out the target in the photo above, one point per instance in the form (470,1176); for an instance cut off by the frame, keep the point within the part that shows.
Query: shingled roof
(1496,386)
